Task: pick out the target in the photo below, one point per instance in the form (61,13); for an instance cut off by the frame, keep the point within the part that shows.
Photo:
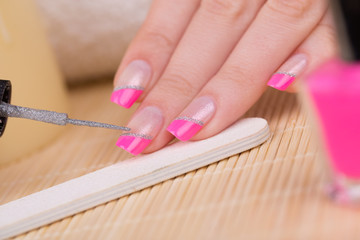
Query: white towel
(90,37)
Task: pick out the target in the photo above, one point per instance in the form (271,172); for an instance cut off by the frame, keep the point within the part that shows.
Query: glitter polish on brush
(193,118)
(145,125)
(131,83)
(8,110)
(287,73)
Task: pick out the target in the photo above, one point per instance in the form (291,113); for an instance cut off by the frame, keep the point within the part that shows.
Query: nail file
(127,176)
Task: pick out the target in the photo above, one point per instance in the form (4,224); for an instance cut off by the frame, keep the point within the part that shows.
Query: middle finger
(210,37)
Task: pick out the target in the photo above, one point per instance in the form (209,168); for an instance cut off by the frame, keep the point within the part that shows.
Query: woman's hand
(199,65)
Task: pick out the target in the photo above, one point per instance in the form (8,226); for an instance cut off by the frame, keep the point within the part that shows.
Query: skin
(226,49)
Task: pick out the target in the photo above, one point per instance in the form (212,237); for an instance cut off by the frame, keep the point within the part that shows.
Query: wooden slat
(270,192)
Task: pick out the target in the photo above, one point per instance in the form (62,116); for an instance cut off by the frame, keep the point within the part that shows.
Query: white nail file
(126,177)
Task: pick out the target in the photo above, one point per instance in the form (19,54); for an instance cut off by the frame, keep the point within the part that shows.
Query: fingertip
(294,87)
(125,97)
(183,129)
(161,140)
(132,144)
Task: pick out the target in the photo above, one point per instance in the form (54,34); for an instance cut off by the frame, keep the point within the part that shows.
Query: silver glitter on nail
(129,87)
(137,135)
(8,110)
(286,73)
(198,122)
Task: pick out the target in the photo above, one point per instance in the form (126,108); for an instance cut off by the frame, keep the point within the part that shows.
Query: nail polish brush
(8,110)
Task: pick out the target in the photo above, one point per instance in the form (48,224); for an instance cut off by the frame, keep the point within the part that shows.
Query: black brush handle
(5,96)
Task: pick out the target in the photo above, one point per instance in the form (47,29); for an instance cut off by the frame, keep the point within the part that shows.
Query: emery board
(127,176)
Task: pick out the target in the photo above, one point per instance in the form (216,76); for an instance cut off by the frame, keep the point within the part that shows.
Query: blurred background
(90,37)
(44,44)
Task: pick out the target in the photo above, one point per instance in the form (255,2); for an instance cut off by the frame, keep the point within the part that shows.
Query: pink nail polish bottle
(334,91)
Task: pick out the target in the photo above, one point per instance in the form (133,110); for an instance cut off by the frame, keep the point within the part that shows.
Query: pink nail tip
(183,130)
(125,97)
(132,144)
(281,81)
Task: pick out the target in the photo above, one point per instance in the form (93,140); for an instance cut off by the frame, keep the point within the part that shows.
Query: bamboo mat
(270,192)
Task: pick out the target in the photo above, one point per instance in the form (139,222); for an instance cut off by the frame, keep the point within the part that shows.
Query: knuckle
(235,76)
(328,37)
(292,8)
(159,38)
(227,8)
(176,85)
(328,29)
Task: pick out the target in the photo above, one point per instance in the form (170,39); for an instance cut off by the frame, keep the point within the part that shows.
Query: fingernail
(287,73)
(145,125)
(131,83)
(193,118)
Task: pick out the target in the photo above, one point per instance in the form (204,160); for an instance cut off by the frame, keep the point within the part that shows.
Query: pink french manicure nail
(131,83)
(287,73)
(145,125)
(193,118)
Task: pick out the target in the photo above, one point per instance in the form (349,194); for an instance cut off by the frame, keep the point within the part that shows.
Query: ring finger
(280,27)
